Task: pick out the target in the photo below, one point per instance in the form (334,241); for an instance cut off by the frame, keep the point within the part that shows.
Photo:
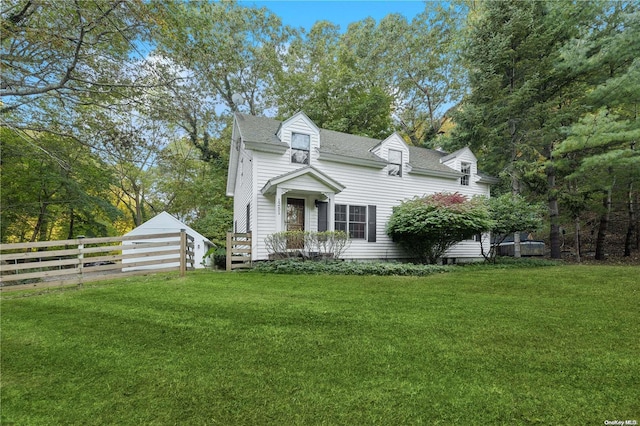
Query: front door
(295,221)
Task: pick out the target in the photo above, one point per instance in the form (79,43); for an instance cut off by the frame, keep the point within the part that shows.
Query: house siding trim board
(343,170)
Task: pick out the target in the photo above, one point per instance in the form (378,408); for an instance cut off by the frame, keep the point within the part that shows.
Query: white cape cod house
(293,175)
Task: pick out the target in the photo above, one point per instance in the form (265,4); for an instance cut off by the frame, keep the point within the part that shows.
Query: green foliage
(219,257)
(226,48)
(296,266)
(214,222)
(52,189)
(511,213)
(427,227)
(323,79)
(64,54)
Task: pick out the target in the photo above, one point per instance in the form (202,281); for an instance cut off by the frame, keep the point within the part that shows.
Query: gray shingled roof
(263,130)
(259,129)
(346,145)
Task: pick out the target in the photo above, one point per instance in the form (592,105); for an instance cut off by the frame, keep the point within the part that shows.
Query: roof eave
(489,179)
(336,158)
(270,186)
(266,147)
(437,173)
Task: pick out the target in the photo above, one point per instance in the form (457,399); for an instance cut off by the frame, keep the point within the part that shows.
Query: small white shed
(166,223)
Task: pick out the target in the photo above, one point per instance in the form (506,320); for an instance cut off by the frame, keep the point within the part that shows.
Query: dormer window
(300,147)
(465,169)
(395,163)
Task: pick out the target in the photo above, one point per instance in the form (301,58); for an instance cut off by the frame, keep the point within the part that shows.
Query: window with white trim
(352,220)
(465,169)
(300,148)
(395,162)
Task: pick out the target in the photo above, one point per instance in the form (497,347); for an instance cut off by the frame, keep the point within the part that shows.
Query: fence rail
(238,251)
(45,264)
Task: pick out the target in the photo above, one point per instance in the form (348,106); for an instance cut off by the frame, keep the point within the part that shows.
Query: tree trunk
(72,217)
(138,204)
(637,200)
(515,184)
(577,237)
(554,229)
(41,223)
(631,228)
(604,224)
(517,253)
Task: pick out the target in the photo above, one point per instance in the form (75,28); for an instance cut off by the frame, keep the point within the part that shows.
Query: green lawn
(556,345)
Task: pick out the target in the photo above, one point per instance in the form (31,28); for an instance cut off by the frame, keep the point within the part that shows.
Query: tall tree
(214,50)
(520,100)
(320,77)
(51,188)
(376,76)
(603,142)
(421,61)
(58,55)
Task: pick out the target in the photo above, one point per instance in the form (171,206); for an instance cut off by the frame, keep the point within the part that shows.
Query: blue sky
(301,13)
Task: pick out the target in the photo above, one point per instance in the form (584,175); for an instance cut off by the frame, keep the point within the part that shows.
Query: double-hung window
(352,220)
(465,169)
(341,220)
(395,162)
(300,148)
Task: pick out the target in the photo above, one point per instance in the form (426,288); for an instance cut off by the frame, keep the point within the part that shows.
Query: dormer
(395,152)
(464,162)
(303,138)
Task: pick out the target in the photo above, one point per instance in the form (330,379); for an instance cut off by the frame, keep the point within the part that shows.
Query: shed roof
(165,222)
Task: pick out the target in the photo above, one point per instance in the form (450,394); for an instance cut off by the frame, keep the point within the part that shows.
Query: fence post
(80,258)
(183,252)
(229,249)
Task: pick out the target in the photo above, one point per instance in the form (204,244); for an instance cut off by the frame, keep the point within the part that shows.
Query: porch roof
(330,184)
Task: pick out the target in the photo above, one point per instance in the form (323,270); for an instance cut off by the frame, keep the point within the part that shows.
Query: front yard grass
(556,345)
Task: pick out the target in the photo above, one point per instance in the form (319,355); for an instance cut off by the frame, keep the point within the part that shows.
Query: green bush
(334,267)
(293,266)
(427,227)
(219,256)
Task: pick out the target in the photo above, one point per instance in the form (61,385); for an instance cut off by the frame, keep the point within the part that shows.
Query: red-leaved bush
(428,226)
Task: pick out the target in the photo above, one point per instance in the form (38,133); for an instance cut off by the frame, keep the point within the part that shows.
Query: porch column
(278,206)
(331,216)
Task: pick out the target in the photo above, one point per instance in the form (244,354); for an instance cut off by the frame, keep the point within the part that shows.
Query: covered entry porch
(304,200)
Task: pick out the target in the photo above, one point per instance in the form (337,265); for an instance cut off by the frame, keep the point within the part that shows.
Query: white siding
(364,186)
(244,191)
(300,124)
(394,142)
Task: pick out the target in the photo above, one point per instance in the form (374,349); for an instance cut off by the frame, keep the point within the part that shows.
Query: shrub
(426,227)
(297,266)
(295,244)
(219,256)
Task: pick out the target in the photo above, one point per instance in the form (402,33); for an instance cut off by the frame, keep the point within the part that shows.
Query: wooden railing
(238,251)
(53,263)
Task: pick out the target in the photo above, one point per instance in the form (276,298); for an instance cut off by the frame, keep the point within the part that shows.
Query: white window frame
(395,167)
(349,212)
(465,169)
(298,155)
